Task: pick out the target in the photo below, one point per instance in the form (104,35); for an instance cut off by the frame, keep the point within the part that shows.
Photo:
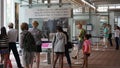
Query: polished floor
(100,58)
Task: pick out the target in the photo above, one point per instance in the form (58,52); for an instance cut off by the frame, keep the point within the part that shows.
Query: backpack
(29,42)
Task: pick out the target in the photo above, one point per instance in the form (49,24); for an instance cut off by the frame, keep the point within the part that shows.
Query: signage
(49,12)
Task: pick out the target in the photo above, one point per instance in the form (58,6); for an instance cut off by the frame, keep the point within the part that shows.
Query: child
(86,49)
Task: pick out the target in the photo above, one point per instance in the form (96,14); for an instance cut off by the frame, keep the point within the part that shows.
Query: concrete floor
(102,58)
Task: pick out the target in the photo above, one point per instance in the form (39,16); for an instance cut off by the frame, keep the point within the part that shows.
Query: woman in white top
(117,34)
(59,46)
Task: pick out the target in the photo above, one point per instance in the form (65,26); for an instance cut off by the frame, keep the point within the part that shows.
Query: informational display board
(89,27)
(49,12)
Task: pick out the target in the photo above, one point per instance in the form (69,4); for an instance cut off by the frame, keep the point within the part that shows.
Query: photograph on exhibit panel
(49,26)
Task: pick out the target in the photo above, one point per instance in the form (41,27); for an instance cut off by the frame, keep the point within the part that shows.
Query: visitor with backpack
(27,44)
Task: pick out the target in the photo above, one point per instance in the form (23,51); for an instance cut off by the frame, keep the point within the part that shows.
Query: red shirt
(87,46)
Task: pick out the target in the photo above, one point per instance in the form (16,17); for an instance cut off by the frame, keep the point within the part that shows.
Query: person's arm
(54,39)
(85,47)
(39,36)
(66,40)
(21,40)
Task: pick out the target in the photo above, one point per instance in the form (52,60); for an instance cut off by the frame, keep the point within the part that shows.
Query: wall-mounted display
(89,27)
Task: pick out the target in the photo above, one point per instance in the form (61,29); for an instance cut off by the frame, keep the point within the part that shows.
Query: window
(102,9)
(9,12)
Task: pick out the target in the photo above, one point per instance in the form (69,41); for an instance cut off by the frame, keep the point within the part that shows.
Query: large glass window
(77,10)
(103,9)
(9,12)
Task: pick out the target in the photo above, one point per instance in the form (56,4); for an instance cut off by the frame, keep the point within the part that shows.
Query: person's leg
(80,43)
(117,43)
(5,60)
(15,53)
(110,39)
(83,61)
(56,58)
(105,42)
(86,61)
(68,56)
(2,58)
(61,60)
(26,59)
(38,59)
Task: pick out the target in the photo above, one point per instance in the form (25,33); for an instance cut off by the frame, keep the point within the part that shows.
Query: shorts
(38,49)
(27,57)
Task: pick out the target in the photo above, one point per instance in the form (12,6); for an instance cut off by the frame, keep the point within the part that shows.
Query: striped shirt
(4,43)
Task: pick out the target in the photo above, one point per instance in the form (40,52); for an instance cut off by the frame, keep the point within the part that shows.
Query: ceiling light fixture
(88,4)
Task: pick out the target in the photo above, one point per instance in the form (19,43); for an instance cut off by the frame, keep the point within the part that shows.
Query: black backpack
(29,42)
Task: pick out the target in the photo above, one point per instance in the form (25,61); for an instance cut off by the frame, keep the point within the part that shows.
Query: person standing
(106,35)
(27,44)
(110,35)
(4,47)
(12,37)
(66,48)
(59,42)
(117,35)
(81,35)
(37,36)
(86,50)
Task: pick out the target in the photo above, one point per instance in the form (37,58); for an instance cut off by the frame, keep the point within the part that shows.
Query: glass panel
(9,11)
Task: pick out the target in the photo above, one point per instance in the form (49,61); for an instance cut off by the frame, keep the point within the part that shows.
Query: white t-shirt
(12,35)
(117,33)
